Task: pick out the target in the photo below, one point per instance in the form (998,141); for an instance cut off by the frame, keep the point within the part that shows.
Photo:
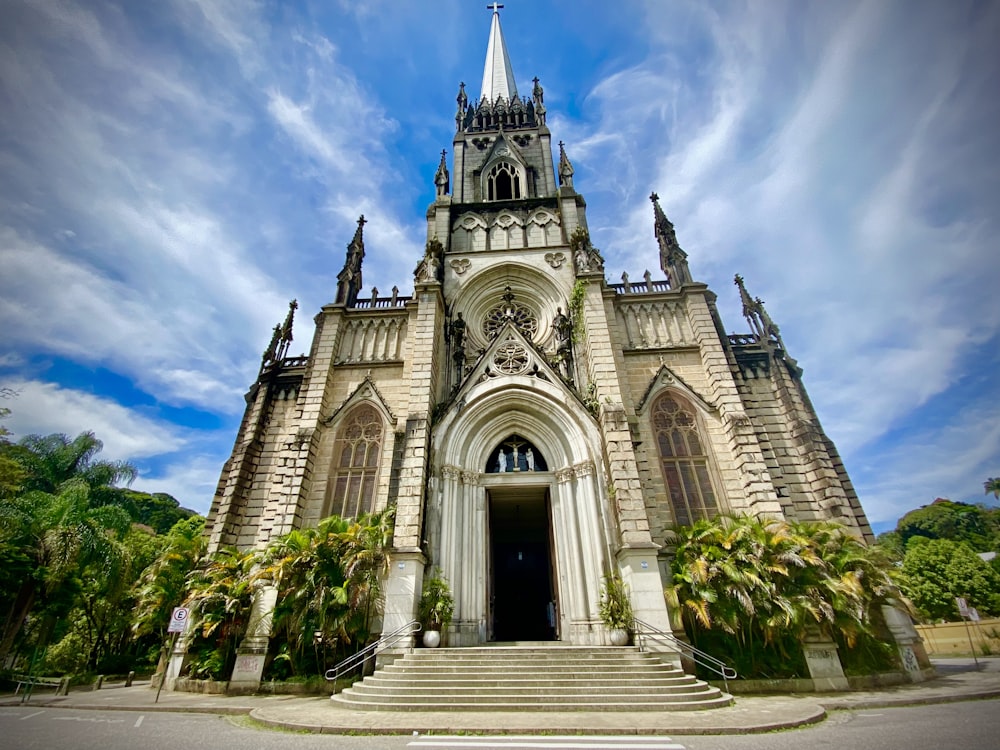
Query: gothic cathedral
(535,426)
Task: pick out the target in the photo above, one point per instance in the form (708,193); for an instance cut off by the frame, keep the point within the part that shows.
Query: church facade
(535,426)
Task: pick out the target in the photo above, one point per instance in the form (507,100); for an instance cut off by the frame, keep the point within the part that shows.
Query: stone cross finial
(495,7)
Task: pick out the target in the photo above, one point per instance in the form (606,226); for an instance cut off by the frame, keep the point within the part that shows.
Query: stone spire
(765,329)
(286,330)
(349,279)
(565,167)
(673,260)
(277,350)
(498,76)
(441,177)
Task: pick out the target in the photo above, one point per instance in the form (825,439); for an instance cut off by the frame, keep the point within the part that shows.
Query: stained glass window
(683,461)
(356,453)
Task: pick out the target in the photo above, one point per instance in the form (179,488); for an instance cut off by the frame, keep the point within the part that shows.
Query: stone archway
(566,500)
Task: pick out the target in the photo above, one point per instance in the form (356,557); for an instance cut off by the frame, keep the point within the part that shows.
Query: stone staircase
(531,678)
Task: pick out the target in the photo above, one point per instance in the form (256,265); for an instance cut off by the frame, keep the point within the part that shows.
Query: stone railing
(646,286)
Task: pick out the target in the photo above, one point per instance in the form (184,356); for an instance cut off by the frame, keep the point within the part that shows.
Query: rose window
(523,318)
(510,358)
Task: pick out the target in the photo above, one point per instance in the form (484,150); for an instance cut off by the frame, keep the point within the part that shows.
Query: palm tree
(329,582)
(992,485)
(60,515)
(767,583)
(164,582)
(58,533)
(220,594)
(52,460)
(365,545)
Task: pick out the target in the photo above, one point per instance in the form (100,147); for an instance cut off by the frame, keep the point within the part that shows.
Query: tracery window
(683,461)
(524,319)
(503,182)
(354,473)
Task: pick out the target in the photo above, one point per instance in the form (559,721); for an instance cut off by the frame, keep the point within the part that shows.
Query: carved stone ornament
(460,265)
(555,259)
(524,319)
(511,358)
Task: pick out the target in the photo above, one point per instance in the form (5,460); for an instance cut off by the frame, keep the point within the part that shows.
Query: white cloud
(45,408)
(191,481)
(950,460)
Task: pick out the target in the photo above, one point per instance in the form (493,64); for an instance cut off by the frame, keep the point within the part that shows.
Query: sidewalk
(958,680)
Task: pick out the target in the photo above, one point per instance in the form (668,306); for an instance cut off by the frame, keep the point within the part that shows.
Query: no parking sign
(179,620)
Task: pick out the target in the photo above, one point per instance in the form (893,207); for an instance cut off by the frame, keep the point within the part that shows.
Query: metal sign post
(964,611)
(178,624)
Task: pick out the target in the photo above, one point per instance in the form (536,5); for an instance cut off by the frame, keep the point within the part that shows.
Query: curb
(815,715)
(926,700)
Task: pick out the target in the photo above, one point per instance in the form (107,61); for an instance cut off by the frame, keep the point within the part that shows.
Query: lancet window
(354,473)
(683,460)
(503,182)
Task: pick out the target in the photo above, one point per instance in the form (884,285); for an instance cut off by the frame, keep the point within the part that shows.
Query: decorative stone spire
(565,167)
(765,329)
(462,100)
(441,177)
(673,260)
(286,330)
(498,76)
(538,100)
(277,350)
(349,279)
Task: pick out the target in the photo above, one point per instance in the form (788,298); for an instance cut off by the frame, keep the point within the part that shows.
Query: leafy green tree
(891,544)
(753,588)
(329,581)
(935,571)
(944,519)
(159,511)
(12,473)
(61,517)
(220,594)
(57,533)
(163,583)
(107,599)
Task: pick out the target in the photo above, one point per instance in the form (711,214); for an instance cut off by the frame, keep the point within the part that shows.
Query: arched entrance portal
(513,531)
(522,585)
(522,581)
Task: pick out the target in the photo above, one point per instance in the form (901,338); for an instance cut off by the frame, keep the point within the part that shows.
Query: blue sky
(173,173)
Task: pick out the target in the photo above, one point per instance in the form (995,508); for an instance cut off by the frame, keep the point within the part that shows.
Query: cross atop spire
(498,76)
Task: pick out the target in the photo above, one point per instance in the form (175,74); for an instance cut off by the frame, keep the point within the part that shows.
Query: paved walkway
(957,680)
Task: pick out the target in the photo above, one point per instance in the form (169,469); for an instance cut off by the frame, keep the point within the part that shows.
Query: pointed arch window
(515,454)
(357,451)
(683,460)
(503,182)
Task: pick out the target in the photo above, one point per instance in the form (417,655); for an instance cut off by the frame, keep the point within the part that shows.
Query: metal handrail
(701,658)
(362,656)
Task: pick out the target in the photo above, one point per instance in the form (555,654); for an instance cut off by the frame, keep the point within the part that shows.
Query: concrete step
(566,694)
(701,703)
(531,678)
(605,682)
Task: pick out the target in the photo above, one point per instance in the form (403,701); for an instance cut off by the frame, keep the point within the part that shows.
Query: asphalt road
(969,725)
(973,725)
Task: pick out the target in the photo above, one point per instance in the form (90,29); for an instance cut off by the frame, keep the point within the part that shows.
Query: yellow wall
(952,638)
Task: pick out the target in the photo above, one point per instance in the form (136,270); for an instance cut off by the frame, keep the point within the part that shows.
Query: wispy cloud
(172,178)
(835,189)
(45,408)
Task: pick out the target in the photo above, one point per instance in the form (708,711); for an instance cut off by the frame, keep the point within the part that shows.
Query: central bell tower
(519,510)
